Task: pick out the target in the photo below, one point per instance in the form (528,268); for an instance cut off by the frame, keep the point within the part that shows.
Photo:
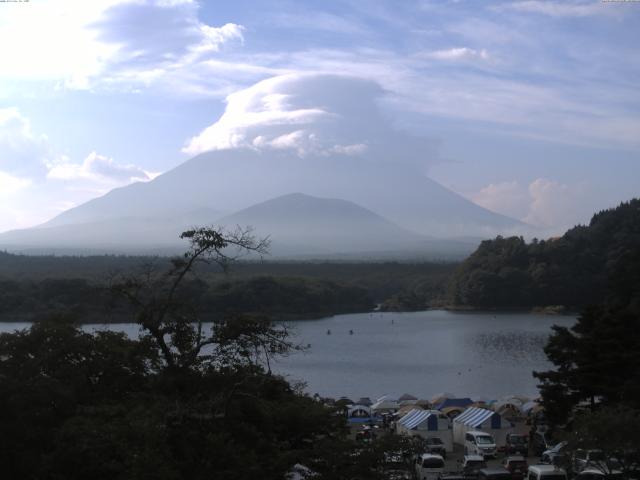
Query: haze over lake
(424,353)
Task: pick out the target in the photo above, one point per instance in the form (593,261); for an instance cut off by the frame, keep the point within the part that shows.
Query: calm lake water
(424,353)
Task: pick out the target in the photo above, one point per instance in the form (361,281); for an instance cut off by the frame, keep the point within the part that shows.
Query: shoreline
(551,310)
(560,310)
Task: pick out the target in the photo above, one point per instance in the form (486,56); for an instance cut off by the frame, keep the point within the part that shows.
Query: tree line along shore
(552,276)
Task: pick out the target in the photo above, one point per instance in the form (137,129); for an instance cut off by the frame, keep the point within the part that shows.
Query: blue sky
(530,108)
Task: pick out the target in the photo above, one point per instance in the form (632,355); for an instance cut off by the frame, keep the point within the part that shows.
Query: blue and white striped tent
(427,423)
(475,418)
(415,418)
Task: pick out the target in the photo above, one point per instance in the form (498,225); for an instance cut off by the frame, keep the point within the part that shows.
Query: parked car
(471,465)
(496,473)
(554,455)
(479,443)
(546,472)
(436,446)
(517,465)
(515,444)
(429,466)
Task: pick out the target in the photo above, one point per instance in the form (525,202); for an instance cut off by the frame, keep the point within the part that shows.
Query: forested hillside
(31,286)
(573,270)
(282,298)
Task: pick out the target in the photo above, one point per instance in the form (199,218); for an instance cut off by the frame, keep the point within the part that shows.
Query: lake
(424,353)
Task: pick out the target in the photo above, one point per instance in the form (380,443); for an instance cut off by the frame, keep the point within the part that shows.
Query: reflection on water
(471,353)
(508,346)
(371,354)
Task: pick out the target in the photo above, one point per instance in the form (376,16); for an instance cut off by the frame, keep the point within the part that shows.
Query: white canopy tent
(475,418)
(385,405)
(358,411)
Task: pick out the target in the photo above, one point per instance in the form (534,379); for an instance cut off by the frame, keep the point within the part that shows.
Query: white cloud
(251,112)
(311,114)
(36,182)
(29,156)
(556,204)
(459,53)
(355,149)
(485,93)
(548,204)
(21,150)
(97,168)
(108,43)
(508,198)
(9,184)
(11,187)
(300,141)
(165,45)
(559,9)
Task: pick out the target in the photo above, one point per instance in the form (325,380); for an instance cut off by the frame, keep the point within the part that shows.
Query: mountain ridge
(228,182)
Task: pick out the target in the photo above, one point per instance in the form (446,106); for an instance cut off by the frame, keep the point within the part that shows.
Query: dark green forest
(32,287)
(571,271)
(283,298)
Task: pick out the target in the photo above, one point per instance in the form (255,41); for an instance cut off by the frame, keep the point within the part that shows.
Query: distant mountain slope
(299,224)
(152,214)
(231,180)
(108,235)
(573,270)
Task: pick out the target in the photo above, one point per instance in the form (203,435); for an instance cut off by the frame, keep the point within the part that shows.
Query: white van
(429,466)
(546,472)
(479,443)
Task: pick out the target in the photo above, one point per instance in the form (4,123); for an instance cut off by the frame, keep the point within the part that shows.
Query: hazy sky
(529,108)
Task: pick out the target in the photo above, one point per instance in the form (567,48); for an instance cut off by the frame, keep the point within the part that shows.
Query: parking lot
(453,459)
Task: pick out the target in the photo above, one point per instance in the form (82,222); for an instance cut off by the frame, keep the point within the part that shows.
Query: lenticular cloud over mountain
(322,136)
(311,115)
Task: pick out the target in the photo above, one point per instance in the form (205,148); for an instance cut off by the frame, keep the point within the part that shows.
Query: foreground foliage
(597,361)
(76,405)
(592,395)
(181,401)
(178,402)
(613,431)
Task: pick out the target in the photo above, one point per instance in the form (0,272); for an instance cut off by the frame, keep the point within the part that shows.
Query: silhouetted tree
(597,361)
(164,306)
(613,431)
